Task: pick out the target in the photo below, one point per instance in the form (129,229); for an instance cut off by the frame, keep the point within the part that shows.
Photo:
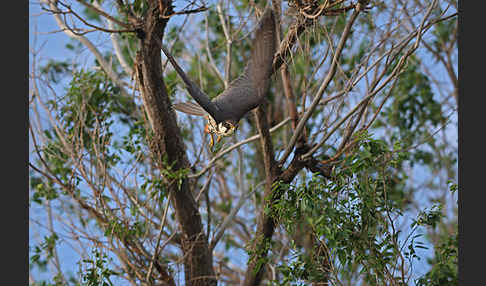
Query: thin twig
(228,45)
(231,148)
(323,87)
(83,40)
(210,55)
(156,251)
(231,215)
(99,11)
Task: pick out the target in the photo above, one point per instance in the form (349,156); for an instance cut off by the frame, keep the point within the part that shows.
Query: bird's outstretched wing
(248,90)
(201,98)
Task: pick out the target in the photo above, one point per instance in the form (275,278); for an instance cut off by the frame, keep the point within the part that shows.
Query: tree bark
(168,147)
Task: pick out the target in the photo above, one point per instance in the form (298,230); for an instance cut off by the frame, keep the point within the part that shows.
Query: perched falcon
(244,93)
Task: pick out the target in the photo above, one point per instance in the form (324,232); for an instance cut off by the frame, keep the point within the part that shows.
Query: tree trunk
(168,147)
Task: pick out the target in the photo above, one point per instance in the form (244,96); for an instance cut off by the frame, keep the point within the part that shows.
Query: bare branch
(234,211)
(229,43)
(115,40)
(99,11)
(210,55)
(105,65)
(231,148)
(156,251)
(322,88)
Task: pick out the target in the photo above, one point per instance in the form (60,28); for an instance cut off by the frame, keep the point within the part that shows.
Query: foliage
(96,272)
(390,198)
(350,215)
(44,250)
(444,264)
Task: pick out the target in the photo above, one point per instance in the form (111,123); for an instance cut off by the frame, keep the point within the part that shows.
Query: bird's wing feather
(248,90)
(263,51)
(190,108)
(199,96)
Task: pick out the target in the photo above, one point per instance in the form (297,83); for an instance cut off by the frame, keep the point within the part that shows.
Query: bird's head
(222,129)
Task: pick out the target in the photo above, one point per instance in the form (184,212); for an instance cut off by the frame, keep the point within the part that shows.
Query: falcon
(243,94)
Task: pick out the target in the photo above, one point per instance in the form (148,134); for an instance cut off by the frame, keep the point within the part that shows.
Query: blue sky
(53,47)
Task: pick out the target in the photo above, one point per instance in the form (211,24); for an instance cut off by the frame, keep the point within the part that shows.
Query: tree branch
(101,60)
(322,88)
(234,146)
(167,143)
(99,11)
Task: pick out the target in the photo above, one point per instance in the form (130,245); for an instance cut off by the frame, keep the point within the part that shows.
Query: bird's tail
(190,108)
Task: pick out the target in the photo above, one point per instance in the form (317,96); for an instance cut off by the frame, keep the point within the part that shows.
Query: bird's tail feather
(190,108)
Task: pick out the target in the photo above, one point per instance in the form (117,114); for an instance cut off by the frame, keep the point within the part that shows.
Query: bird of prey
(243,94)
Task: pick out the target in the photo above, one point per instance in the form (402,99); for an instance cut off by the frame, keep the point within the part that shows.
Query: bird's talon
(211,141)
